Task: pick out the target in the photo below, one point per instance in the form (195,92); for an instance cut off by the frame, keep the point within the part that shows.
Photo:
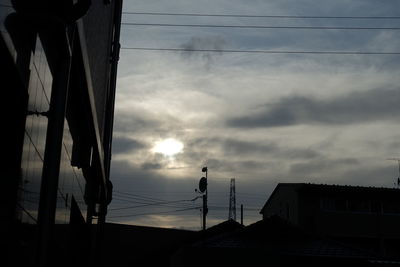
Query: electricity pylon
(398,178)
(232,201)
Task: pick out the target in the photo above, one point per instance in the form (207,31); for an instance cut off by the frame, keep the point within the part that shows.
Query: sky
(259,118)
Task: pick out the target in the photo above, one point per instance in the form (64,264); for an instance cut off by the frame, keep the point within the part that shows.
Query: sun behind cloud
(168,147)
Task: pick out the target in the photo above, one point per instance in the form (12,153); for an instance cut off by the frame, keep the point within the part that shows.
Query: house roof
(226,226)
(133,235)
(326,190)
(280,237)
(217,231)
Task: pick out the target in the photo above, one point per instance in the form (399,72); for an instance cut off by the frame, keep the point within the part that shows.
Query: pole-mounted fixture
(203,190)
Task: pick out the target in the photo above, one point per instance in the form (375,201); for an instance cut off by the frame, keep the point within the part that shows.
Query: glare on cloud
(168,147)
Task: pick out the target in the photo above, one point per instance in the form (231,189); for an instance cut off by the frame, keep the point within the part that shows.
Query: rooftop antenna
(398,178)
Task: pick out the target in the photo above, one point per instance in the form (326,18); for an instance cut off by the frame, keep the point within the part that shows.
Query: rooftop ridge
(338,185)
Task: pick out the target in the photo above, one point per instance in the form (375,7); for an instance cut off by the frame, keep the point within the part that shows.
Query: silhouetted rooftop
(278,236)
(327,190)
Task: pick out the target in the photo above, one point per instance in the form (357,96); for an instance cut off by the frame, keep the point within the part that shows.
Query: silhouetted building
(365,217)
(270,242)
(58,75)
(141,246)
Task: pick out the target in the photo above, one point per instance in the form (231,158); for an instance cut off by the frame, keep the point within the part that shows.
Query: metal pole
(204,211)
(241,214)
(205,208)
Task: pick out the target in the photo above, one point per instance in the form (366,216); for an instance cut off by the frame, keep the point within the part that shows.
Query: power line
(258,16)
(227,208)
(149,204)
(152,213)
(258,26)
(27,212)
(141,198)
(137,201)
(136,196)
(133,198)
(148,201)
(261,51)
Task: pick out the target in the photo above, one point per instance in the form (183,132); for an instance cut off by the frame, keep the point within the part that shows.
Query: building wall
(99,33)
(71,180)
(364,217)
(71,183)
(348,213)
(337,212)
(284,203)
(39,93)
(308,207)
(34,55)
(367,225)
(358,217)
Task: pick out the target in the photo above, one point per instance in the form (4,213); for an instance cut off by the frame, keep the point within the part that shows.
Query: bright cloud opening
(168,147)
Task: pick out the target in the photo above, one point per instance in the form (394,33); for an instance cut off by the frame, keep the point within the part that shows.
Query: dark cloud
(204,43)
(239,166)
(132,123)
(322,166)
(145,122)
(130,177)
(356,107)
(122,144)
(229,147)
(152,166)
(237,147)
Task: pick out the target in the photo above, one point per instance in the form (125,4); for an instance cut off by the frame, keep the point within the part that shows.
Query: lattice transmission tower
(232,201)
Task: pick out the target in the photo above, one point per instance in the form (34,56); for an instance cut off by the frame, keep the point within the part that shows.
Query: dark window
(376,207)
(340,204)
(332,204)
(391,207)
(328,204)
(359,205)
(287,211)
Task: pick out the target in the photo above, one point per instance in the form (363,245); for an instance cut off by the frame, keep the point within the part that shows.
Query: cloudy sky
(260,118)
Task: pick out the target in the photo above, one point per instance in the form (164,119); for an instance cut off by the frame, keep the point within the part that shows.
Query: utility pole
(205,208)
(204,191)
(232,201)
(241,214)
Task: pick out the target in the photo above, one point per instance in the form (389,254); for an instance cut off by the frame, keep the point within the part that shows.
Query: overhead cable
(258,26)
(262,51)
(152,213)
(151,204)
(258,16)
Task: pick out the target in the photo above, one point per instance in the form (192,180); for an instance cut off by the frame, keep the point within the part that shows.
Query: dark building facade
(269,242)
(142,246)
(365,217)
(58,68)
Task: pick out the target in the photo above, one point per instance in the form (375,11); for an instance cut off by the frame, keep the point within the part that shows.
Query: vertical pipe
(205,208)
(241,214)
(51,163)
(204,211)
(112,86)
